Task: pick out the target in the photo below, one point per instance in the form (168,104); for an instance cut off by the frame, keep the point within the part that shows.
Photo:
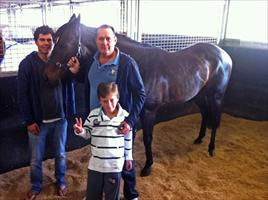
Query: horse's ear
(73,17)
(78,18)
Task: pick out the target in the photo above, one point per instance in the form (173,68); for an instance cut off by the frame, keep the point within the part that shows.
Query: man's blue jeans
(58,132)
(129,178)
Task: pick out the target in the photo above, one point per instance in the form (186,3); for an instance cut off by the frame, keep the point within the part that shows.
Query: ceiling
(17,3)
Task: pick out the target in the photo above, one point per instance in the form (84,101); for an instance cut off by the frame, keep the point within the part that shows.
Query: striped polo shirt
(109,149)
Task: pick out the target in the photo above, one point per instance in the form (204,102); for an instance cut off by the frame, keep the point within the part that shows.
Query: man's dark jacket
(28,90)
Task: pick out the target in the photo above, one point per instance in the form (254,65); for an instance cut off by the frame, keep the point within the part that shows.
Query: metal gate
(19,18)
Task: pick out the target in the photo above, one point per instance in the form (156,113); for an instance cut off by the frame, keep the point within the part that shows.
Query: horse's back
(210,52)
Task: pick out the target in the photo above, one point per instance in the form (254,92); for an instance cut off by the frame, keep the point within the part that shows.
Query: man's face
(106,41)
(109,103)
(44,43)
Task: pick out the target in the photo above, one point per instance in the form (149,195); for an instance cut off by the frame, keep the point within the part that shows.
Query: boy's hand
(128,165)
(78,126)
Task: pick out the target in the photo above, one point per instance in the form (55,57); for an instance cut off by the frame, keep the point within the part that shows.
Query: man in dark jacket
(44,108)
(112,65)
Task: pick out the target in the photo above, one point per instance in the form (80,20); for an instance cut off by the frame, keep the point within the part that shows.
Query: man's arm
(24,99)
(136,86)
(128,150)
(23,92)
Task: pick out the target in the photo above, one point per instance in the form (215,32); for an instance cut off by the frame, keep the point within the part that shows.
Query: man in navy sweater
(44,108)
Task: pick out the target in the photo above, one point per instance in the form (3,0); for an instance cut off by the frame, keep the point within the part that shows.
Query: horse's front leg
(148,120)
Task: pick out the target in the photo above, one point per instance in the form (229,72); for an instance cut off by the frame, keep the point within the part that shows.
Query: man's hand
(74,65)
(78,126)
(128,165)
(124,128)
(33,129)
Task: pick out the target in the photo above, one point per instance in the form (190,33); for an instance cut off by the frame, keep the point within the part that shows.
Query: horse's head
(67,44)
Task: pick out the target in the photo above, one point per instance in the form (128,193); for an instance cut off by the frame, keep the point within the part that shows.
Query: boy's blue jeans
(58,132)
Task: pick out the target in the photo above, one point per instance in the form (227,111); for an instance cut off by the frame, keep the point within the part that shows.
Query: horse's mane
(90,29)
(60,30)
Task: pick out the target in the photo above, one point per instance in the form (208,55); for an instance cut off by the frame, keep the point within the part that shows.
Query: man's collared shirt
(101,73)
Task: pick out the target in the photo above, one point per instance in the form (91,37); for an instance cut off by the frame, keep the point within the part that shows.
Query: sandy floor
(181,170)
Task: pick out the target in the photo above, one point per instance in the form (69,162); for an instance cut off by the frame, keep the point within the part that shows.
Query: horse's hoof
(146,171)
(198,141)
(210,152)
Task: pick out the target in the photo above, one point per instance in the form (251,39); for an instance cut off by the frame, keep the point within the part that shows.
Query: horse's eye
(56,40)
(62,45)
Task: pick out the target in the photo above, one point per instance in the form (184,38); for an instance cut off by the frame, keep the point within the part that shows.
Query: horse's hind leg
(210,108)
(204,109)
(215,103)
(147,120)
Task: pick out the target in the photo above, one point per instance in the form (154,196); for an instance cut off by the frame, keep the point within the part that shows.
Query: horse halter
(78,55)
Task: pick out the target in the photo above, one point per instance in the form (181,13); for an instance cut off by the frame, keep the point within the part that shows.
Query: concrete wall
(247,96)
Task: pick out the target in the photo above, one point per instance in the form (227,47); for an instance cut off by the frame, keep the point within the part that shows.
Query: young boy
(108,148)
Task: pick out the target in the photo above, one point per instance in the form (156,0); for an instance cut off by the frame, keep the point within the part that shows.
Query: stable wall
(246,96)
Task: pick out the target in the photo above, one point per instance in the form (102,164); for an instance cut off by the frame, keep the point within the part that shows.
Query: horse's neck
(88,42)
(130,49)
(137,50)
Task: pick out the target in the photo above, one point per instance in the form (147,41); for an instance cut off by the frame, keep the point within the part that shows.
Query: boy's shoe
(62,190)
(31,195)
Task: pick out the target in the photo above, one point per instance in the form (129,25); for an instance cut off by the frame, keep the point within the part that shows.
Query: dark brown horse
(199,73)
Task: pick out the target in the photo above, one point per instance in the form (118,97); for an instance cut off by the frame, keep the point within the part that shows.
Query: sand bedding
(181,170)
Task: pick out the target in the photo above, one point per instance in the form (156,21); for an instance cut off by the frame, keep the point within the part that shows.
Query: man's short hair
(43,30)
(105,89)
(104,26)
